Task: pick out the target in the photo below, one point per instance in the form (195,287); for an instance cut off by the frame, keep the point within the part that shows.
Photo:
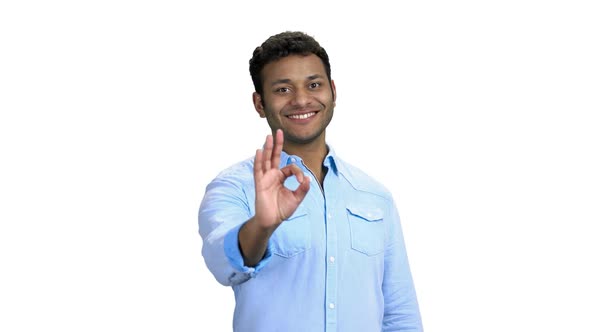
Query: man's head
(282,45)
(294,90)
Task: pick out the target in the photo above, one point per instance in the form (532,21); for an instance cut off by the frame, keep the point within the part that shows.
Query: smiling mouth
(302,116)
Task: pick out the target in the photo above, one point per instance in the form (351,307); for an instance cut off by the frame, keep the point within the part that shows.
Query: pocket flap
(300,212)
(367,213)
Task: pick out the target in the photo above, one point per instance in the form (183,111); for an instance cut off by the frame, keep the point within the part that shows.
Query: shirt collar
(331,161)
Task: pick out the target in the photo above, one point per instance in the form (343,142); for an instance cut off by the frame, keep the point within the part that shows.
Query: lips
(302,116)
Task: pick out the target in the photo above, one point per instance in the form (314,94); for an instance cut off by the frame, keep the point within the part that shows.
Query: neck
(313,155)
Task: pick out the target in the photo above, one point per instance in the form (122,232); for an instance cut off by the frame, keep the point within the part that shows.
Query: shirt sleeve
(223,211)
(401,311)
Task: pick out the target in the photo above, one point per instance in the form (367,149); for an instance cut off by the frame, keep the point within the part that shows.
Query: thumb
(303,188)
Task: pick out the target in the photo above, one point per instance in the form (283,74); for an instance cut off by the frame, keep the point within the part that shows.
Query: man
(307,242)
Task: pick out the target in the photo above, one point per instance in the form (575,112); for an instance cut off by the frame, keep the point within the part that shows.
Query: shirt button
(332,259)
(292,160)
(329,216)
(332,306)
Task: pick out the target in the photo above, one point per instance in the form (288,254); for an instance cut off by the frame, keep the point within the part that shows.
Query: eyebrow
(286,80)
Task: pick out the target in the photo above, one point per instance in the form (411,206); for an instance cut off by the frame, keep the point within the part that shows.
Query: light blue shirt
(338,263)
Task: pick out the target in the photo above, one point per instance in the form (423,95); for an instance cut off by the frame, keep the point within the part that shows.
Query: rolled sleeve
(223,211)
(234,254)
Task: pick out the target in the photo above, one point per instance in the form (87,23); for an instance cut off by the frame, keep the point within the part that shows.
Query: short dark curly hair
(282,45)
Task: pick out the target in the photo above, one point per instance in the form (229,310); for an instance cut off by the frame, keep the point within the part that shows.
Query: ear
(334,91)
(258,105)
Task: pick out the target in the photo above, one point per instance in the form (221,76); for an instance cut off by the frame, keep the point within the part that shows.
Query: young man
(307,241)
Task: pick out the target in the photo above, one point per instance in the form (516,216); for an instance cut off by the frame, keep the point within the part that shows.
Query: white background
(116,114)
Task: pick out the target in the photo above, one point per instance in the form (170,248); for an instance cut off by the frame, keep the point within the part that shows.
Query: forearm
(223,212)
(253,241)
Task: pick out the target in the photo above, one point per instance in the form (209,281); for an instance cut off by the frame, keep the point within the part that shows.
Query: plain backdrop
(116,114)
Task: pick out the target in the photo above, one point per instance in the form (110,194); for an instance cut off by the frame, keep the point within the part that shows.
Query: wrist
(262,228)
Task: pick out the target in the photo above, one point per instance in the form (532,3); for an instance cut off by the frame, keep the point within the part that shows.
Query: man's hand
(274,201)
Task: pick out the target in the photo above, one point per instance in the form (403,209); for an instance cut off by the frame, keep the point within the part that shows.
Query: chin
(302,139)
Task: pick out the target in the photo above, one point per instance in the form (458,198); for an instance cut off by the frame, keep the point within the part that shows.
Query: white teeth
(301,116)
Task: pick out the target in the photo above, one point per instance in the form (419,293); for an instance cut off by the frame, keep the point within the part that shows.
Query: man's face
(298,98)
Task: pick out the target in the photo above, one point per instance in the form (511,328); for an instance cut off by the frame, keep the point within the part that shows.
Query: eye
(315,85)
(282,90)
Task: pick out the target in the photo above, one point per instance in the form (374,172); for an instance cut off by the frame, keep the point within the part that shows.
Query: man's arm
(274,201)
(235,250)
(401,312)
(223,210)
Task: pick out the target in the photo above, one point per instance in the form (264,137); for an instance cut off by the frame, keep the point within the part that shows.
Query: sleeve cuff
(234,255)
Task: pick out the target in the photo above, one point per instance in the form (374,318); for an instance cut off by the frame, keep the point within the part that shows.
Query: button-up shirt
(338,263)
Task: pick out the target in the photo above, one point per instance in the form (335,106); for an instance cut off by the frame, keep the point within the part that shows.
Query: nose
(301,98)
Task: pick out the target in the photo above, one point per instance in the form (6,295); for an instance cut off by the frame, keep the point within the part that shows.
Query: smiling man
(307,241)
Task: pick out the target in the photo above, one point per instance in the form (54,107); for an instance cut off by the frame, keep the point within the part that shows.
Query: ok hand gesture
(275,202)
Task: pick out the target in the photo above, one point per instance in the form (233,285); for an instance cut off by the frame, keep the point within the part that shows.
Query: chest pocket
(293,236)
(367,230)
